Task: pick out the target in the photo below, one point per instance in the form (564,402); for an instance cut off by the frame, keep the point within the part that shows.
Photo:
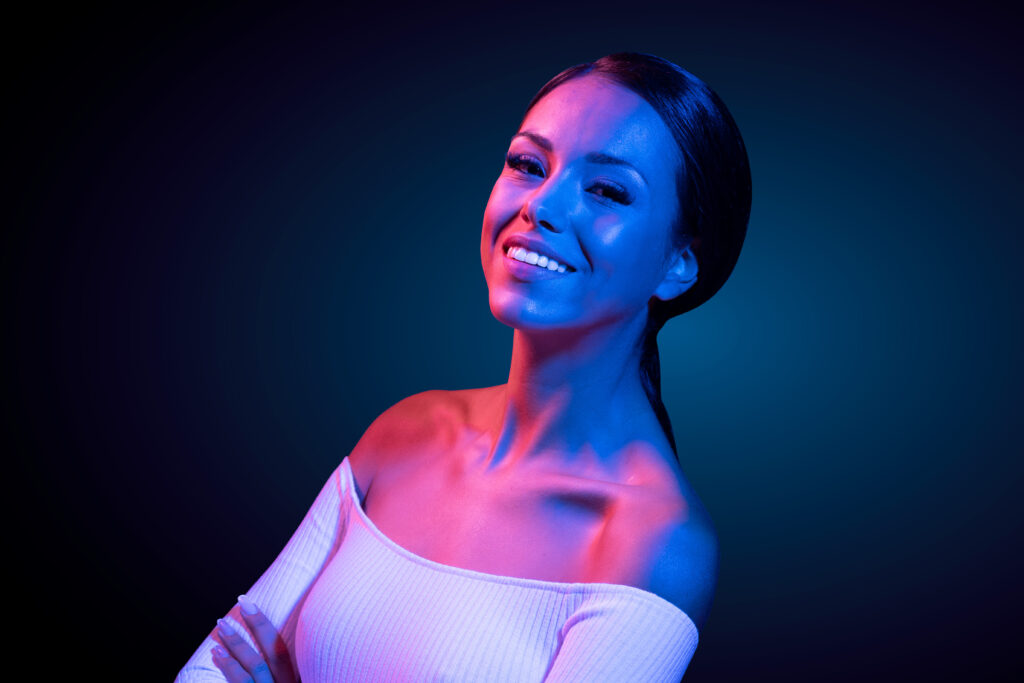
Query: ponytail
(650,377)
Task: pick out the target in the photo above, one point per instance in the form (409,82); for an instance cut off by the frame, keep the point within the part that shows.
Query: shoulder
(660,537)
(684,567)
(403,429)
(664,539)
(408,418)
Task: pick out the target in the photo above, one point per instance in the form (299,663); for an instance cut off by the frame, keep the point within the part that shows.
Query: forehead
(590,113)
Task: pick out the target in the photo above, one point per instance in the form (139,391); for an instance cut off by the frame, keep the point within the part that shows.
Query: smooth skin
(592,174)
(574,380)
(574,398)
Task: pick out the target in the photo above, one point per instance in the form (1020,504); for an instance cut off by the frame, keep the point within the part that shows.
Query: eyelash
(613,192)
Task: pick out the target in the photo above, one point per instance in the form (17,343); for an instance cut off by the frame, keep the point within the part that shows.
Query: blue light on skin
(574,392)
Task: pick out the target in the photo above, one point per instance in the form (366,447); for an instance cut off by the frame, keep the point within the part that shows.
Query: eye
(613,192)
(523,163)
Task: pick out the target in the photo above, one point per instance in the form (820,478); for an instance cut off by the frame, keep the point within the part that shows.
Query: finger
(231,669)
(275,650)
(250,660)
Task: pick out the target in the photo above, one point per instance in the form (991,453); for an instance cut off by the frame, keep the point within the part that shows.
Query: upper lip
(534,244)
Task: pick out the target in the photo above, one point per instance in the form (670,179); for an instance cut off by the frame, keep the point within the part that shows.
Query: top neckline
(560,586)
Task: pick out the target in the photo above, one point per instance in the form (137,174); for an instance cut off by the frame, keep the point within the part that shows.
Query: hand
(240,663)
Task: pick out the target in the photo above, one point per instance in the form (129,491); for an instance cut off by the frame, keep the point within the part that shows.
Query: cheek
(506,198)
(500,209)
(626,257)
(608,232)
(621,245)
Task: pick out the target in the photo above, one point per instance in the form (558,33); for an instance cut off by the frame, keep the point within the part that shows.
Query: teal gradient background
(235,238)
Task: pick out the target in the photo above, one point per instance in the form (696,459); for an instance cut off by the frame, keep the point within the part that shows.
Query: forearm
(283,587)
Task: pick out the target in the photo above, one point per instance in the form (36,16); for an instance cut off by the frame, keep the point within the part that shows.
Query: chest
(538,526)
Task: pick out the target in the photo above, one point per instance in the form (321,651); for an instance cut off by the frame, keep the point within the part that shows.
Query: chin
(525,314)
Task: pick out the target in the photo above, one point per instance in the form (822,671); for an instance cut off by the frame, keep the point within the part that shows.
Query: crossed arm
(279,593)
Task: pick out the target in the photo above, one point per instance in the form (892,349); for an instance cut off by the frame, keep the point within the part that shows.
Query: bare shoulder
(684,568)
(661,537)
(401,430)
(412,417)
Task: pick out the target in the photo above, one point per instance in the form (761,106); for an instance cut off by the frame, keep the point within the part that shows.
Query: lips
(537,245)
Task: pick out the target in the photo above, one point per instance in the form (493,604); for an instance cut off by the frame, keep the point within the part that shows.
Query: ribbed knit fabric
(354,606)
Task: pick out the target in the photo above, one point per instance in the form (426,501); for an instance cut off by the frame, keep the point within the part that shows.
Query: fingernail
(219,651)
(225,627)
(247,605)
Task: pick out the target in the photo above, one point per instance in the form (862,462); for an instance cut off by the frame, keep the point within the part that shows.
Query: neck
(571,400)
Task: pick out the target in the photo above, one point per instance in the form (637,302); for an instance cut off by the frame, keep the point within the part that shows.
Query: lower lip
(524,271)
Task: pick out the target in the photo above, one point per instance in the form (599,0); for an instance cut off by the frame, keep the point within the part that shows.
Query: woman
(541,529)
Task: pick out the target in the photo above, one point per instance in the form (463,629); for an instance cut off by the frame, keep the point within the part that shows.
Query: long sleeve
(636,640)
(283,587)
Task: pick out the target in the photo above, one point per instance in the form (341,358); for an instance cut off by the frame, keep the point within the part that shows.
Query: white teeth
(535,259)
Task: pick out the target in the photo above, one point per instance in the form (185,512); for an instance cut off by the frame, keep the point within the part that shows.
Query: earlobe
(681,275)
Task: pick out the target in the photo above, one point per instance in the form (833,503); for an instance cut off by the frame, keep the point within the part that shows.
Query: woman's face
(589,180)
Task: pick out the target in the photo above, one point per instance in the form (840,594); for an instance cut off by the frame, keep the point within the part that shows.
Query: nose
(544,206)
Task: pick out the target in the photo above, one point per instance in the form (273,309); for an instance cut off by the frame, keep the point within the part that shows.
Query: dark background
(235,237)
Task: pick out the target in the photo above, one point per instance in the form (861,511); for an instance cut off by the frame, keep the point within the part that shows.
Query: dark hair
(713,185)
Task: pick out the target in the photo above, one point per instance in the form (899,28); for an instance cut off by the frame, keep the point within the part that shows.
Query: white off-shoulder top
(352,605)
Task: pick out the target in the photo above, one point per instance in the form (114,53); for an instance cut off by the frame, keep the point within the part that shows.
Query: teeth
(535,259)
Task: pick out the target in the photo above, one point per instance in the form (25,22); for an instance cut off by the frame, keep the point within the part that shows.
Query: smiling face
(589,180)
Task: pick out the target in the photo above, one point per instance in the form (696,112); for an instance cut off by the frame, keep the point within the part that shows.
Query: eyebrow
(592,157)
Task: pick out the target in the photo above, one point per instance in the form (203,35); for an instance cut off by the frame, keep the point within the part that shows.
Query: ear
(681,275)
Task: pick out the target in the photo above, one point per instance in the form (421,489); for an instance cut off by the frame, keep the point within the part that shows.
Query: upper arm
(624,638)
(650,643)
(282,588)
(685,572)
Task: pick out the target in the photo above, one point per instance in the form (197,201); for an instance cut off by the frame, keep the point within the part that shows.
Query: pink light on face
(591,175)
